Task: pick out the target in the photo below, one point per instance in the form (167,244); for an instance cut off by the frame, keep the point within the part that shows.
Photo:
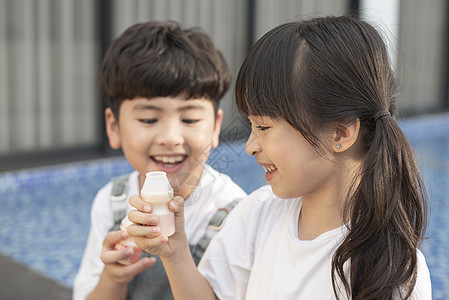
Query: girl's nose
(170,135)
(252,146)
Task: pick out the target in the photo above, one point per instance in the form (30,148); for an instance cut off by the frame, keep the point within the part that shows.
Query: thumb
(177,206)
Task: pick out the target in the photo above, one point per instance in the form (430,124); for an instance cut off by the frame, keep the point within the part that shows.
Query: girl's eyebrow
(260,119)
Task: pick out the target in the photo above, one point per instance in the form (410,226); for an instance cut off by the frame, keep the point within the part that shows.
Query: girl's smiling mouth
(270,170)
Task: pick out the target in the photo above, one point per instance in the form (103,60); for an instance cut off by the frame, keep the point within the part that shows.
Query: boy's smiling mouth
(169,163)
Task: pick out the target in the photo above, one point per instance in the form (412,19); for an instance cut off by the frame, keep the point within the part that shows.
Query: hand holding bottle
(152,224)
(158,192)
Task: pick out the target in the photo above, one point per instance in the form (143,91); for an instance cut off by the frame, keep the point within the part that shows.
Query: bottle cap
(157,183)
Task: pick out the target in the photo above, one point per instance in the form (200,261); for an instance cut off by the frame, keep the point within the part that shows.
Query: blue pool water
(45,211)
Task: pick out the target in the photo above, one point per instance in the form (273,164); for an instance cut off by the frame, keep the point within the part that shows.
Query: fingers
(153,245)
(176,204)
(142,218)
(145,229)
(137,230)
(137,202)
(140,266)
(144,223)
(112,256)
(125,273)
(114,237)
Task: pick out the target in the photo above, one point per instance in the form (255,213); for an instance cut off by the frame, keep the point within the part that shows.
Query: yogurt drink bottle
(157,191)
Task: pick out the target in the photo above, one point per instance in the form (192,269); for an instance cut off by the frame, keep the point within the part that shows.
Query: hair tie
(381,114)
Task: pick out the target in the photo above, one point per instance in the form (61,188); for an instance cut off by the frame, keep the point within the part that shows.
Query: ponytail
(387,216)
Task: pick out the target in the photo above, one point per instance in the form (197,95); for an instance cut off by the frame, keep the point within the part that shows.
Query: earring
(338,146)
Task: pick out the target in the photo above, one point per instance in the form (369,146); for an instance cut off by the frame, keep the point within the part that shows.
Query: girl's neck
(318,218)
(323,210)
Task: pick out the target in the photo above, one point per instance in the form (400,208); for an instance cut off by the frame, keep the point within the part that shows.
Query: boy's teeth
(169,159)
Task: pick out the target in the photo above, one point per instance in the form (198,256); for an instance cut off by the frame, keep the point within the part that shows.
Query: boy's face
(167,134)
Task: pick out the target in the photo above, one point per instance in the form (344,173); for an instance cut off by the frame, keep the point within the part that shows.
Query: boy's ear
(345,136)
(112,129)
(217,128)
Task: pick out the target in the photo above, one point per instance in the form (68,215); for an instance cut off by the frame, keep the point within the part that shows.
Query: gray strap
(118,199)
(215,224)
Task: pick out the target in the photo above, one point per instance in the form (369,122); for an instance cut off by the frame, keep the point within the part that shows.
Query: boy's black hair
(160,59)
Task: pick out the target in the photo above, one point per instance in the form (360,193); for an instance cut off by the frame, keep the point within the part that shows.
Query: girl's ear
(345,136)
(112,129)
(217,128)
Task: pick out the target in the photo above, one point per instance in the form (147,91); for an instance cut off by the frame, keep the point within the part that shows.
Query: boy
(164,85)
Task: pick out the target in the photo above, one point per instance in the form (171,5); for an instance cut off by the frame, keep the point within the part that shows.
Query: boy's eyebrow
(146,106)
(191,106)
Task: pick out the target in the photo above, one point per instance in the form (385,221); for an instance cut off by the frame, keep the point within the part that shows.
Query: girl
(345,211)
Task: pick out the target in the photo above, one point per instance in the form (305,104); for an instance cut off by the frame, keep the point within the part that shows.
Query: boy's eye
(262,128)
(189,121)
(148,121)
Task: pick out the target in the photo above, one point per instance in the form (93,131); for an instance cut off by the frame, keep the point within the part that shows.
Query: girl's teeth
(269,169)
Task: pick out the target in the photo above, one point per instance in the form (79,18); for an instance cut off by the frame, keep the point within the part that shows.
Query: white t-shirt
(213,191)
(258,255)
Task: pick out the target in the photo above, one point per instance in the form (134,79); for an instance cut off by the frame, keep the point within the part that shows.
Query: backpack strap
(118,199)
(215,224)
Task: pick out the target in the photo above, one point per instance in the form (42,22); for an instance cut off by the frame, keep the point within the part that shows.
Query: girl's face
(293,167)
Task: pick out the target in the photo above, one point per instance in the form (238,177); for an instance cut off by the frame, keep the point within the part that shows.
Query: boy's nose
(170,136)
(252,147)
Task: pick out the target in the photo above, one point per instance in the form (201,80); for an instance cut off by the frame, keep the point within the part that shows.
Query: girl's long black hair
(335,70)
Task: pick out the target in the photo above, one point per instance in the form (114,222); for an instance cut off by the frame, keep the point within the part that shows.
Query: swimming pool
(45,211)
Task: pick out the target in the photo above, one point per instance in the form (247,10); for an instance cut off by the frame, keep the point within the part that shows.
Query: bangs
(273,80)
(264,84)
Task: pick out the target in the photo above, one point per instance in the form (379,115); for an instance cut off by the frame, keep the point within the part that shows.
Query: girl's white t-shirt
(258,255)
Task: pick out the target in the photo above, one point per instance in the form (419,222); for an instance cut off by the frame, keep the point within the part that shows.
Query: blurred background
(50,52)
(54,153)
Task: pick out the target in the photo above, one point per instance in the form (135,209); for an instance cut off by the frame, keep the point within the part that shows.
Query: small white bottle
(157,191)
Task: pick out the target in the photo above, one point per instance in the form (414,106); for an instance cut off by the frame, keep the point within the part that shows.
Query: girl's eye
(262,128)
(189,121)
(148,121)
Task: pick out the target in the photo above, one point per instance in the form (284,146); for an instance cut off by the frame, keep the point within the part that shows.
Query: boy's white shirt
(258,255)
(213,191)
